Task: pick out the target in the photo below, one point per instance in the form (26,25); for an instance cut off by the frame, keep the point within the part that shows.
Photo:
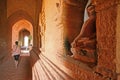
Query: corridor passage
(8,71)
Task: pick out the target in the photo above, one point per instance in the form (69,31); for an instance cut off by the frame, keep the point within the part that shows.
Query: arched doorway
(22,31)
(24,37)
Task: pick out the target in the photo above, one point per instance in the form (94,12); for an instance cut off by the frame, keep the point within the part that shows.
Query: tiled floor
(8,71)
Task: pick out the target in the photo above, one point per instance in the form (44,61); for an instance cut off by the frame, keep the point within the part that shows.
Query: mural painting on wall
(84,45)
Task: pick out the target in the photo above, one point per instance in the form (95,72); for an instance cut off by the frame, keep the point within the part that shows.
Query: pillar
(118,43)
(36,37)
(4,32)
(107,37)
(36,29)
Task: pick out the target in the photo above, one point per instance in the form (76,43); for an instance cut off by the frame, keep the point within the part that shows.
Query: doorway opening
(26,41)
(22,31)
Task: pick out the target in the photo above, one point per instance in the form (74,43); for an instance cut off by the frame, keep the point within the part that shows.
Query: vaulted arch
(21,25)
(19,15)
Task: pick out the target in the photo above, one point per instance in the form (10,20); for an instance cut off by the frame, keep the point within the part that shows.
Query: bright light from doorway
(26,41)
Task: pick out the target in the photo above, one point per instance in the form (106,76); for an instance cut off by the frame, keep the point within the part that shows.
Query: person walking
(16,53)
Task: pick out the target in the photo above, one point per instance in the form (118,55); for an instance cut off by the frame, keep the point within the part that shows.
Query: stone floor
(8,71)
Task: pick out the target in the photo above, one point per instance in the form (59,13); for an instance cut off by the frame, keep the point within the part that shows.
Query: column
(106,26)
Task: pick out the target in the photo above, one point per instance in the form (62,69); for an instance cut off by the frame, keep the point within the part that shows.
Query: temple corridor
(60,39)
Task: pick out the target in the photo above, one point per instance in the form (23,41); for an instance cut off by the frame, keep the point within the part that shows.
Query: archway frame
(15,17)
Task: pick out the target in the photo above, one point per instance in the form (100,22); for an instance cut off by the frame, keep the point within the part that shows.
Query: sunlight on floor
(25,51)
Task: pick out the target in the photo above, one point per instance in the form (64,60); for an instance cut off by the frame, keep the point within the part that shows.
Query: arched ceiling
(29,6)
(22,24)
(25,5)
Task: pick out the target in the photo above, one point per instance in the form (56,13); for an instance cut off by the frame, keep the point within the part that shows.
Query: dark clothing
(16,57)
